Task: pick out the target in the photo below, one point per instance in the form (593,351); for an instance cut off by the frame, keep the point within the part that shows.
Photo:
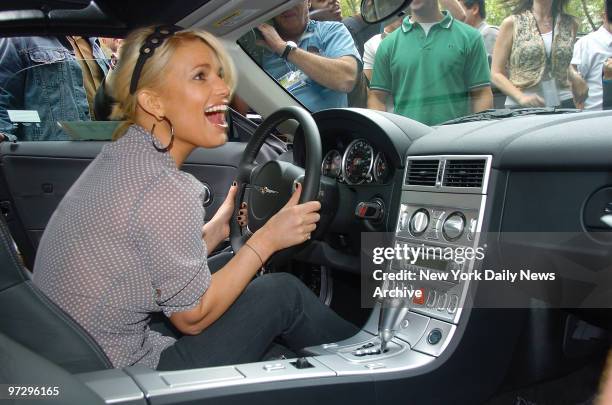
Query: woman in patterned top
(531,61)
(129,239)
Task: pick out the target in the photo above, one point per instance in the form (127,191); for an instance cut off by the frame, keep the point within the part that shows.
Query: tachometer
(381,168)
(332,164)
(357,161)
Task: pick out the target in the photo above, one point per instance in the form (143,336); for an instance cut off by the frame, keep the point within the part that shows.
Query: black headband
(153,41)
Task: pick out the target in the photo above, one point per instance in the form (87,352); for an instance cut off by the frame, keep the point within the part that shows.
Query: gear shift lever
(392,312)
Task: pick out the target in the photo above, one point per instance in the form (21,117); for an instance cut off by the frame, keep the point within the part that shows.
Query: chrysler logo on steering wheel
(265,190)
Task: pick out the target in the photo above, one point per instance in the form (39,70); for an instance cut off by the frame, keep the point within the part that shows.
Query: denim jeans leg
(274,305)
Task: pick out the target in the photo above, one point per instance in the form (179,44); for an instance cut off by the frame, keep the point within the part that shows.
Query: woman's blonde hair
(152,72)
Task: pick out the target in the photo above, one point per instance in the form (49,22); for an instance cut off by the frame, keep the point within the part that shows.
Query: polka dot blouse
(126,241)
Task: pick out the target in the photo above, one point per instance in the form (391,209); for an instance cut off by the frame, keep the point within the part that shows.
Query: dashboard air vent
(422,172)
(464,173)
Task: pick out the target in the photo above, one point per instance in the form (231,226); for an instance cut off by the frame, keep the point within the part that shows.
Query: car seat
(34,321)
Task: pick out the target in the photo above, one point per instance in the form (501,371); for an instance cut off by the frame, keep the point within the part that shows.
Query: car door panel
(48,180)
(39,174)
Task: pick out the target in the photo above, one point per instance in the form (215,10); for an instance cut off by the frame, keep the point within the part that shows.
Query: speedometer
(332,164)
(357,161)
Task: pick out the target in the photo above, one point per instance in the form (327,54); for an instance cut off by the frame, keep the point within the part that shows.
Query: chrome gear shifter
(392,313)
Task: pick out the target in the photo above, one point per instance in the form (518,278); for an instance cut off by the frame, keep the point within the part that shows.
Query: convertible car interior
(531,190)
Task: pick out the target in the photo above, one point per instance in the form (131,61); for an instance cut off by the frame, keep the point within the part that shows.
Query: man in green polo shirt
(434,67)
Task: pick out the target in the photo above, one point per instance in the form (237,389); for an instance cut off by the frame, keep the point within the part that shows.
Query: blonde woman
(129,240)
(531,60)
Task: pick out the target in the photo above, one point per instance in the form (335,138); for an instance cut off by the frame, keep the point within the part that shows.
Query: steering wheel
(266,188)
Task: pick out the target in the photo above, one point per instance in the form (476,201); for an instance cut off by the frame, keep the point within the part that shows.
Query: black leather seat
(19,366)
(32,320)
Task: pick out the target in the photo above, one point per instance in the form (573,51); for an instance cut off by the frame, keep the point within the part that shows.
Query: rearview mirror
(374,11)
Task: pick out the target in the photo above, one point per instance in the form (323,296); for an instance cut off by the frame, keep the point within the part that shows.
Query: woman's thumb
(295,197)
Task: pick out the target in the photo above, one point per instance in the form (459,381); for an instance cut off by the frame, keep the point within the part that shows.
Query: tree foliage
(497,10)
(349,7)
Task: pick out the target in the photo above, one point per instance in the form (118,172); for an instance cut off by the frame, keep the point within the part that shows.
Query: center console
(442,207)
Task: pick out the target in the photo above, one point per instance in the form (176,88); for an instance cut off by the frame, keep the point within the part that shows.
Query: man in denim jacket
(42,74)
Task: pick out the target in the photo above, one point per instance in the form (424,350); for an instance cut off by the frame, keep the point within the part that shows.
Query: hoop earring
(167,148)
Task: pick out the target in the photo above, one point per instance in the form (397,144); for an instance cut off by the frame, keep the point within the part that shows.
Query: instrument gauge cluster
(332,164)
(357,163)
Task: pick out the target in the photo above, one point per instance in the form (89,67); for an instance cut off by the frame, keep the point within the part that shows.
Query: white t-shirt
(590,52)
(369,56)
(489,35)
(369,51)
(427,26)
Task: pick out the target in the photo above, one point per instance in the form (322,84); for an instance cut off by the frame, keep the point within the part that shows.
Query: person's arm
(217,229)
(369,56)
(580,89)
(501,55)
(338,73)
(290,226)
(455,8)
(481,99)
(377,100)
(607,84)
(380,83)
(477,76)
(605,384)
(607,69)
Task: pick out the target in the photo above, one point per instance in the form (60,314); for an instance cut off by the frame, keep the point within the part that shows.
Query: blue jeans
(276,305)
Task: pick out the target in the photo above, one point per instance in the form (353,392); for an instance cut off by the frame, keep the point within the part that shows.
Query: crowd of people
(441,61)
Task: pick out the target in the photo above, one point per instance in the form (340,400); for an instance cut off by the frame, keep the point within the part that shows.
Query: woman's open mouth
(216,115)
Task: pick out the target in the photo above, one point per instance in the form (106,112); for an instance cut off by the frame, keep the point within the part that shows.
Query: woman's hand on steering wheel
(292,225)
(218,228)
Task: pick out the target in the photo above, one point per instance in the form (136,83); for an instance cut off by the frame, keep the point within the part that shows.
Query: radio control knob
(454,225)
(419,222)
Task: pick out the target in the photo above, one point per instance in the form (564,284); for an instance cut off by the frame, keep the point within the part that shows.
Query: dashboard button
(434,337)
(419,300)
(453,303)
(441,306)
(431,298)
(419,222)
(453,226)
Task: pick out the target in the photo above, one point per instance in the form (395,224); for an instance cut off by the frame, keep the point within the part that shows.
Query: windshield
(440,60)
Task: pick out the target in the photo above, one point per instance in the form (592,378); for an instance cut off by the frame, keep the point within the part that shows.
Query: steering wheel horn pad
(271,188)
(268,187)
